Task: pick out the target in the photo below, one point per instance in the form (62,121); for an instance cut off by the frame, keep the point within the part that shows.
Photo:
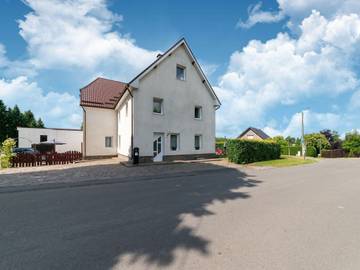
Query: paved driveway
(293,218)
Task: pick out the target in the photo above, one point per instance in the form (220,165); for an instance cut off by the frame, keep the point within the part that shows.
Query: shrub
(248,151)
(293,150)
(352,144)
(7,152)
(220,149)
(311,151)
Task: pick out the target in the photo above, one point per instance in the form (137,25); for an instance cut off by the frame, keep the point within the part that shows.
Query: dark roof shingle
(257,131)
(102,93)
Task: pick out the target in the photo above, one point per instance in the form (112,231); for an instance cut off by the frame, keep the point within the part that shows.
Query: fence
(337,153)
(27,160)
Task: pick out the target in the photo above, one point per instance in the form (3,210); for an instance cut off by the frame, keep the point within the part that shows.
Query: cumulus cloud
(80,34)
(56,109)
(297,10)
(77,36)
(256,15)
(284,70)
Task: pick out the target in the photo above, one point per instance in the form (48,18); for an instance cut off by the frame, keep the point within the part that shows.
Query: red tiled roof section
(102,93)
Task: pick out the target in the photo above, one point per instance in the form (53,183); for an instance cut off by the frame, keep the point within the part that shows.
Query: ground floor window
(197,142)
(108,141)
(174,142)
(43,138)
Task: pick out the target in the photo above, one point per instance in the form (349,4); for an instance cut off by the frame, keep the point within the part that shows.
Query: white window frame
(200,112)
(161,106)
(200,141)
(106,141)
(177,142)
(184,69)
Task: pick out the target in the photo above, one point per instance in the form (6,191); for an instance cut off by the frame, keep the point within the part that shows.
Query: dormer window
(180,73)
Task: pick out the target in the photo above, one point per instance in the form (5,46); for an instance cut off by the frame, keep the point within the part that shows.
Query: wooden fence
(337,153)
(27,160)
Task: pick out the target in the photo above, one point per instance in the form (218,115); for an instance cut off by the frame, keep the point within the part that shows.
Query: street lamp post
(303,135)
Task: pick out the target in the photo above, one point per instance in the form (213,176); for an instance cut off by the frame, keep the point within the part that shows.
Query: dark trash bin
(136,155)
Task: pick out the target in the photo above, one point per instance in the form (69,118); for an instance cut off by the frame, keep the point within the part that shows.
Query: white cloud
(355,101)
(56,109)
(285,70)
(256,15)
(297,10)
(79,34)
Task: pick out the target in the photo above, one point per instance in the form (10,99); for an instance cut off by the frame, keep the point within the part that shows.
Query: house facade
(70,139)
(252,133)
(167,111)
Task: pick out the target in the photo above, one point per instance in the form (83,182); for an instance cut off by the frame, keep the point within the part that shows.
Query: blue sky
(266,61)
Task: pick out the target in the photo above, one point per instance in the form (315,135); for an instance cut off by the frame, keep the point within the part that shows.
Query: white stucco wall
(124,126)
(180,99)
(72,138)
(99,124)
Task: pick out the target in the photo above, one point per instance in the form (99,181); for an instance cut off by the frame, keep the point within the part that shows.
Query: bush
(7,152)
(220,149)
(311,151)
(248,151)
(293,150)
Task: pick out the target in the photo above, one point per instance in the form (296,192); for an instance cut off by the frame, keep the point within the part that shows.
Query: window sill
(154,113)
(197,119)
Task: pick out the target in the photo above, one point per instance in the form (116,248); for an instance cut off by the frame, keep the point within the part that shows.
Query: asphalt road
(293,218)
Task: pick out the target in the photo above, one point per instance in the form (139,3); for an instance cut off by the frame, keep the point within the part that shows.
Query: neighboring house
(253,133)
(71,138)
(167,111)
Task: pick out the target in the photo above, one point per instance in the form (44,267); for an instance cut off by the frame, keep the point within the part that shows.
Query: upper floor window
(43,138)
(180,73)
(157,105)
(198,112)
(108,141)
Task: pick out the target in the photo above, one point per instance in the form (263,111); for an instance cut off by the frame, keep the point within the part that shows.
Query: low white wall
(72,138)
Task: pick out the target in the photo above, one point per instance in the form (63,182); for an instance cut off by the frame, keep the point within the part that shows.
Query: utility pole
(303,135)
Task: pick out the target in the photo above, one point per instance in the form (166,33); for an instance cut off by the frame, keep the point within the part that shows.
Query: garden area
(281,152)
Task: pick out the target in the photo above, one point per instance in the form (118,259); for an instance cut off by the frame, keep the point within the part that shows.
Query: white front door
(158,149)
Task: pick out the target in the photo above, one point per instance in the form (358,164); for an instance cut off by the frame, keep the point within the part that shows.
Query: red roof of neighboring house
(102,93)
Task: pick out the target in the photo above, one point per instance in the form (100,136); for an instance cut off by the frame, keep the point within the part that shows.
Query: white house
(71,138)
(167,111)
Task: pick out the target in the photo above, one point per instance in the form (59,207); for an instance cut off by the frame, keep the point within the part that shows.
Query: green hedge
(248,151)
(311,151)
(293,150)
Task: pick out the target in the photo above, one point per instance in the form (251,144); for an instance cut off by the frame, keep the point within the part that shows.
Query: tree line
(11,118)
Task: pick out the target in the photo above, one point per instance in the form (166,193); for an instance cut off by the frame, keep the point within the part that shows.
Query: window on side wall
(180,73)
(197,142)
(108,142)
(43,138)
(157,105)
(174,142)
(198,112)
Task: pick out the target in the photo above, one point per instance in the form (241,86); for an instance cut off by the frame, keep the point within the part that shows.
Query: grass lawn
(285,161)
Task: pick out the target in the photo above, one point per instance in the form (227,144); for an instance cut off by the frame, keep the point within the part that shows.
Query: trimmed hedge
(248,151)
(293,150)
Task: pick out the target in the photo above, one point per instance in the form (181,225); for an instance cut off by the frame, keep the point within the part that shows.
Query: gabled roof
(102,93)
(257,131)
(181,42)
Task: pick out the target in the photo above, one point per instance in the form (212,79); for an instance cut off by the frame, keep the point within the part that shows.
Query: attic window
(180,73)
